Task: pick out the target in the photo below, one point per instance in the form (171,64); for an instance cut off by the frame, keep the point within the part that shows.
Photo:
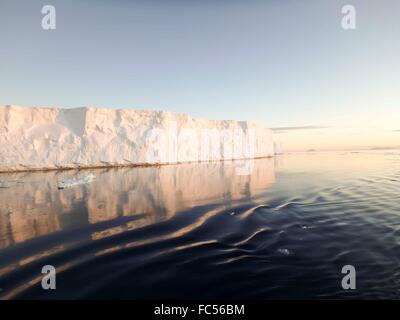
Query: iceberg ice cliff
(52,138)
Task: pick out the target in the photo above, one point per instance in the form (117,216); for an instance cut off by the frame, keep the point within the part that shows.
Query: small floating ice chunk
(77,181)
(285,252)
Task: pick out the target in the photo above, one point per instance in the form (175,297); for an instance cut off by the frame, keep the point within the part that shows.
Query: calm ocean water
(202,231)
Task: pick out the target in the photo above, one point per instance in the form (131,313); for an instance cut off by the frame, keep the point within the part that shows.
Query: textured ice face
(50,138)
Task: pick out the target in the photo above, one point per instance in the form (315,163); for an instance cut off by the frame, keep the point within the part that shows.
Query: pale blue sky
(281,63)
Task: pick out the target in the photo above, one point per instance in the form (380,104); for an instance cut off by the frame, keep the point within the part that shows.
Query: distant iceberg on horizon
(36,138)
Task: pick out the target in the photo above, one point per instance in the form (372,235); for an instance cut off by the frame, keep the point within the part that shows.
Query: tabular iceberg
(55,138)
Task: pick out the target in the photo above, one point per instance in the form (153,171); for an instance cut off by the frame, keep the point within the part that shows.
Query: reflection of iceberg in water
(35,207)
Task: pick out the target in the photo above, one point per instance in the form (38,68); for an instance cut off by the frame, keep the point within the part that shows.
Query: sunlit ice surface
(201,231)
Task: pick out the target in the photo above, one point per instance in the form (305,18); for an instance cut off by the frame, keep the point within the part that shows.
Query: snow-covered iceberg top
(51,138)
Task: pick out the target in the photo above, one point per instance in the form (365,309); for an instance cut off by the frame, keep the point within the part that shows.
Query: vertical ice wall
(49,138)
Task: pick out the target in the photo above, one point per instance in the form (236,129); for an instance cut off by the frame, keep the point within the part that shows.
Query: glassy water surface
(202,231)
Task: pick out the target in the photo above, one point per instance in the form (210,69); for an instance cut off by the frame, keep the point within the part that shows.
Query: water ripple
(275,242)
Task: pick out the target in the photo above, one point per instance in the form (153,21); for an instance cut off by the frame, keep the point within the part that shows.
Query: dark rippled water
(203,231)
